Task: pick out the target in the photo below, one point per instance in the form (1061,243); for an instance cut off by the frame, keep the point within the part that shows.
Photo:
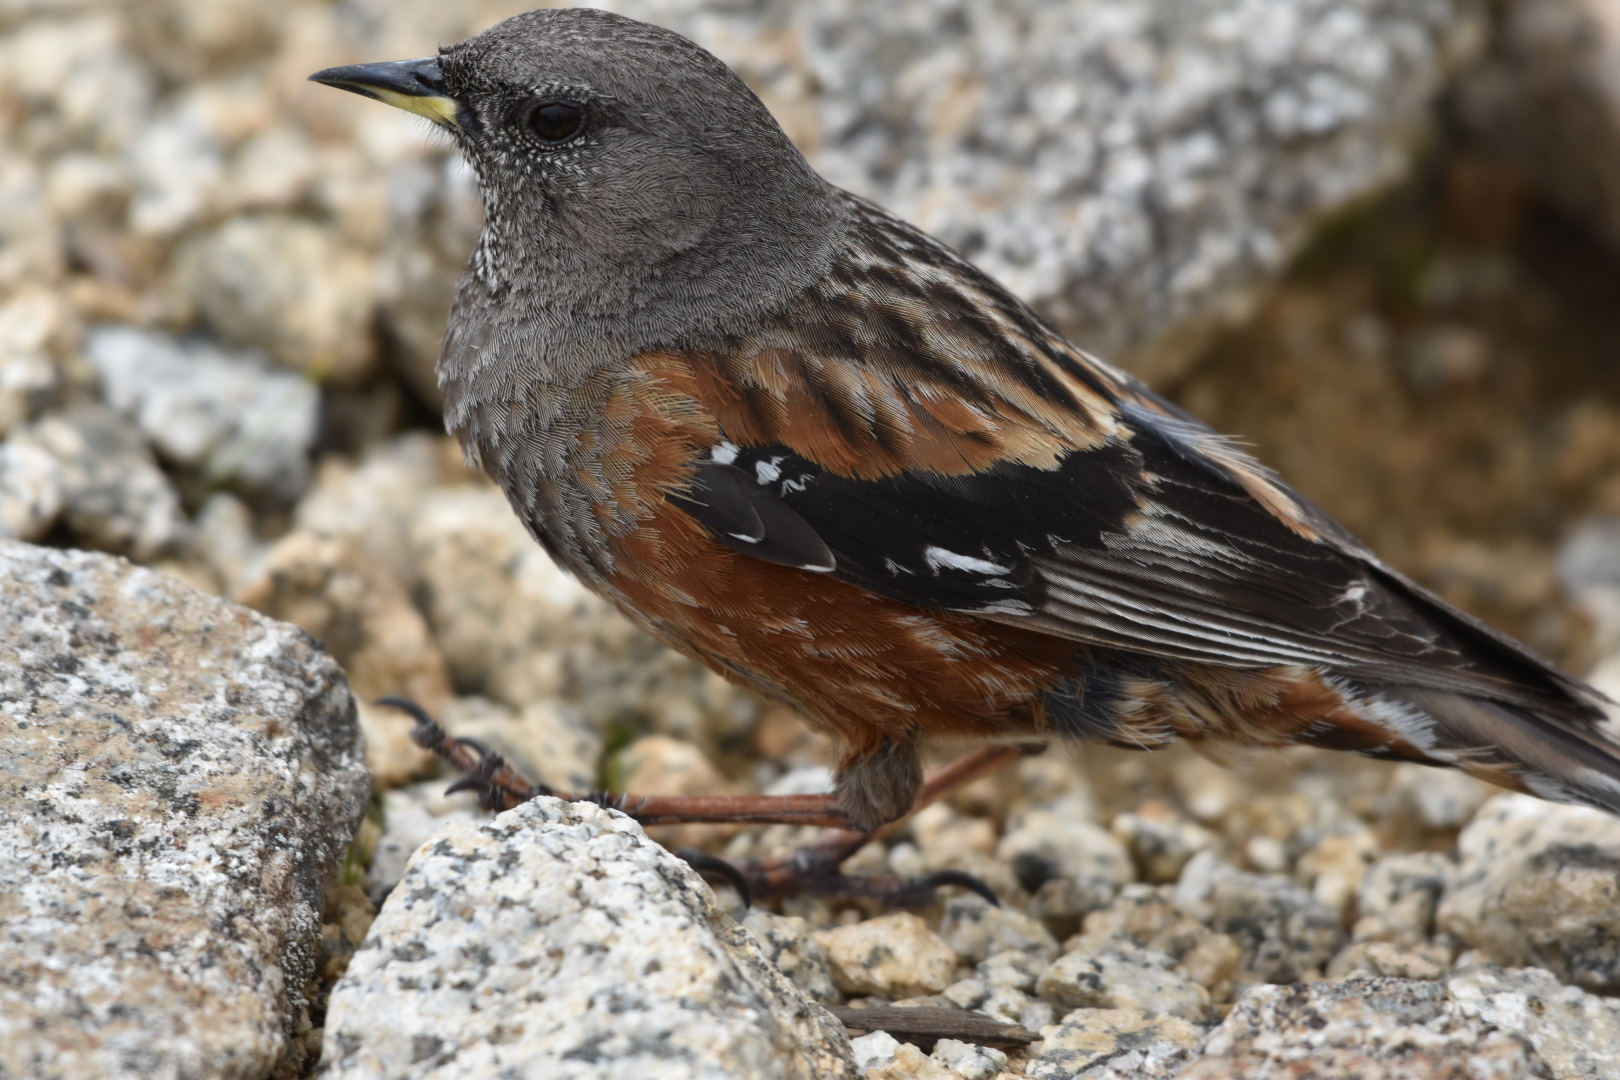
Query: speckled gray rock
(1397,900)
(113,495)
(975,930)
(1092,1037)
(411,815)
(223,412)
(895,955)
(1122,977)
(1371,1029)
(1055,842)
(1537,885)
(969,1060)
(1286,933)
(1576,1033)
(31,493)
(285,285)
(178,778)
(1122,163)
(558,941)
(789,944)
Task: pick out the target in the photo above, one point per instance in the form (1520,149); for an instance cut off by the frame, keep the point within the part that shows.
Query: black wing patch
(750,518)
(961,543)
(1137,546)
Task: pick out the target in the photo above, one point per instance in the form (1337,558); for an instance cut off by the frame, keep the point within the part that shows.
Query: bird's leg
(816,868)
(813,869)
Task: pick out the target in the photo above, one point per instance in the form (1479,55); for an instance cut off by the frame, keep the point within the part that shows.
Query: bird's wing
(915,430)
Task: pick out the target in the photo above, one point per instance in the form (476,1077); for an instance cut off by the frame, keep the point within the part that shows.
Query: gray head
(637,192)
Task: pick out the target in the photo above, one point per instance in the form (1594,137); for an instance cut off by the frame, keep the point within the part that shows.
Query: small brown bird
(794,437)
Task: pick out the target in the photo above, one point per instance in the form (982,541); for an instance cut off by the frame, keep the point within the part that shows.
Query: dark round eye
(557,121)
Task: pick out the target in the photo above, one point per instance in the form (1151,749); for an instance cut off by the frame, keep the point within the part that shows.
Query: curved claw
(704,863)
(427,734)
(489,758)
(959,879)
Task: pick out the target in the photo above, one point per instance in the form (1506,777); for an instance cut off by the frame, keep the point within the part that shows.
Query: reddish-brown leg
(813,869)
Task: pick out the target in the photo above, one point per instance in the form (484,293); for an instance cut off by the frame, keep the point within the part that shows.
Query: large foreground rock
(558,941)
(178,778)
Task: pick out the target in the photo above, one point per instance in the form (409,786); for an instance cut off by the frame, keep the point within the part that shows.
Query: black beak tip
(409,78)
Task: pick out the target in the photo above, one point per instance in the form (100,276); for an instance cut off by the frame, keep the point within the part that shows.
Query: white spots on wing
(1355,594)
(745,538)
(1003,607)
(769,472)
(725,453)
(939,558)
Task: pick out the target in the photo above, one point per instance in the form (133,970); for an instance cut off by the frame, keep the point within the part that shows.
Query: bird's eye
(557,121)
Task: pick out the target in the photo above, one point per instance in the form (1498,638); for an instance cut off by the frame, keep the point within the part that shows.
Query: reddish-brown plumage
(867,666)
(876,671)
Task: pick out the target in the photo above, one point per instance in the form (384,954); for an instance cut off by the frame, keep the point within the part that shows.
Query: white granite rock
(1122,978)
(788,942)
(376,498)
(1536,885)
(33,330)
(557,941)
(1576,1033)
(226,413)
(1398,897)
(411,816)
(180,778)
(31,493)
(976,930)
(1056,841)
(288,287)
(1161,841)
(113,495)
(1092,1037)
(969,1060)
(895,955)
(873,1050)
(1286,933)
(1360,1028)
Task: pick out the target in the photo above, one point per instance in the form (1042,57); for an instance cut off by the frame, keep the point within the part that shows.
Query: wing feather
(954,452)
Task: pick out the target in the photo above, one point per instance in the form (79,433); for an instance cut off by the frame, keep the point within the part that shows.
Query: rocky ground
(1373,238)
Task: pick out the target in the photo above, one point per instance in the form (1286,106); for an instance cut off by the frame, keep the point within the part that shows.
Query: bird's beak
(416,86)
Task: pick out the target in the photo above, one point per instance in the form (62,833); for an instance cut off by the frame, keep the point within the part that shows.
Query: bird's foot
(814,869)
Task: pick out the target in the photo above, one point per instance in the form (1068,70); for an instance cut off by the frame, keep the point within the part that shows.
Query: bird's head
(614,152)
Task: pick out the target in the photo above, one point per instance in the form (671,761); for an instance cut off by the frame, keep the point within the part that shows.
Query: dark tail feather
(1567,760)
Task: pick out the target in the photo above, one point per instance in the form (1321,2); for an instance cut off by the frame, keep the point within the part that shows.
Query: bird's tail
(1569,759)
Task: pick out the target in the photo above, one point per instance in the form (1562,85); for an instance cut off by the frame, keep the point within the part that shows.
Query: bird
(795,437)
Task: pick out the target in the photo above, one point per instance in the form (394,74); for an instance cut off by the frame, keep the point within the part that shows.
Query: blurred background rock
(1376,238)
